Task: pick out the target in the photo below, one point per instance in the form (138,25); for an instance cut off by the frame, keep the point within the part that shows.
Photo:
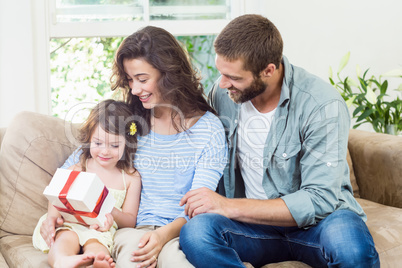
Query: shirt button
(236,121)
(284,155)
(329,164)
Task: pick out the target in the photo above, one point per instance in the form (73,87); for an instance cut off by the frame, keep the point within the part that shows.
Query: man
(287,131)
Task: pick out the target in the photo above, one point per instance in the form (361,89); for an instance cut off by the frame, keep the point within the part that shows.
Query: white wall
(316,33)
(23,78)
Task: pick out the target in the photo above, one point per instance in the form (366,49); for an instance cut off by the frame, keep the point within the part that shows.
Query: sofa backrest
(33,147)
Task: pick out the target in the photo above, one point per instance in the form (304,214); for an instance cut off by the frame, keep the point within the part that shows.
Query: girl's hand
(106,226)
(48,229)
(150,246)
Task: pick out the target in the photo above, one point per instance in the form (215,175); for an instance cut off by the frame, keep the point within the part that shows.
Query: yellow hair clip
(133,129)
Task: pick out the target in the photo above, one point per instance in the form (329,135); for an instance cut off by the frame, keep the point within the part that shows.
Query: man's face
(242,84)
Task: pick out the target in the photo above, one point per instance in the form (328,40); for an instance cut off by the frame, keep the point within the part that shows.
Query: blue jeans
(340,240)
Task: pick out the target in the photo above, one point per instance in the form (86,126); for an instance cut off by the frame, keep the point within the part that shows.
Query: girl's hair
(114,117)
(253,39)
(179,84)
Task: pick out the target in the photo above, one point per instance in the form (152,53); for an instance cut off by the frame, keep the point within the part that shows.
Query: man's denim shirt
(305,151)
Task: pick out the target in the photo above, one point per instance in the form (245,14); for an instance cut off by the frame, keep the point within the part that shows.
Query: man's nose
(224,83)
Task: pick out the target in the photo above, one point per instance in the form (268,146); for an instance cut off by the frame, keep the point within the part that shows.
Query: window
(85,34)
(101,18)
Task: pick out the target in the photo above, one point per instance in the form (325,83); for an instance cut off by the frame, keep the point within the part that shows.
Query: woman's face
(143,81)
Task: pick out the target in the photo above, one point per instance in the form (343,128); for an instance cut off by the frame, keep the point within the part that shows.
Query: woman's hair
(253,39)
(179,84)
(114,117)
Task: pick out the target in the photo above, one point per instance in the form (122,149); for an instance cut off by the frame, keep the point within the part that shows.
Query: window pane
(188,9)
(99,10)
(140,10)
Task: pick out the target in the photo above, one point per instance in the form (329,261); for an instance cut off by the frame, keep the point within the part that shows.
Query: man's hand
(203,200)
(48,229)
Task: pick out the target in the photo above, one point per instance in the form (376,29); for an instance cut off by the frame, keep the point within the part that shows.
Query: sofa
(34,145)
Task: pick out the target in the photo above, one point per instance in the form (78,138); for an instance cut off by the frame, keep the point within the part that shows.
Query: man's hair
(253,39)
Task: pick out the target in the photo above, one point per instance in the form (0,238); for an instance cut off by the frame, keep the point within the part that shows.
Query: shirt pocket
(286,165)
(183,180)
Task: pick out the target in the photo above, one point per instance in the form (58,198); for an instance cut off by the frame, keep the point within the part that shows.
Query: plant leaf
(352,82)
(358,110)
(330,75)
(365,114)
(358,70)
(344,61)
(371,96)
(384,87)
(350,101)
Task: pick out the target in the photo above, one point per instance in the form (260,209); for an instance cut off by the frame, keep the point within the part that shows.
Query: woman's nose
(135,88)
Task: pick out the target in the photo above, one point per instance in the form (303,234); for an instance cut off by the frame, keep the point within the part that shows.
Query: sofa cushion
(33,147)
(385,225)
(19,252)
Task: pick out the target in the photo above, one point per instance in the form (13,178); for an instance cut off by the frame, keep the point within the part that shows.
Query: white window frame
(125,28)
(45,27)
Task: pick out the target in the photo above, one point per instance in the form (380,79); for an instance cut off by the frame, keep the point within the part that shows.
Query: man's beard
(256,88)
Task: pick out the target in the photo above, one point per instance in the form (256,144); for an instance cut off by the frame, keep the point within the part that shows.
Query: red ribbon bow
(69,208)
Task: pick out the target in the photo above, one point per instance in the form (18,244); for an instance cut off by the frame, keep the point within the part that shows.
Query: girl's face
(143,81)
(106,149)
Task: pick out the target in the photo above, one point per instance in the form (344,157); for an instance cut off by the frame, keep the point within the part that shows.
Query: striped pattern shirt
(171,165)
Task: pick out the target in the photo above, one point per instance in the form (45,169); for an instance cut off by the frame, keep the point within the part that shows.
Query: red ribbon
(69,208)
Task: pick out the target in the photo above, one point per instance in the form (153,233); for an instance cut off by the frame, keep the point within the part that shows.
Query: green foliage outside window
(81,69)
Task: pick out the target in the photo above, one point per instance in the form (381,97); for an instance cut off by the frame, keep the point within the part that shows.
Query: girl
(182,146)
(108,146)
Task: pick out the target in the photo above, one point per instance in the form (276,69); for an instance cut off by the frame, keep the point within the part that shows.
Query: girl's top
(171,165)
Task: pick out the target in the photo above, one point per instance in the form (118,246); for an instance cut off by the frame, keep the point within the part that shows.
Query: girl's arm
(128,216)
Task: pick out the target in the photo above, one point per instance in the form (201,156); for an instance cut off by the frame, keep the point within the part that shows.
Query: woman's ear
(269,70)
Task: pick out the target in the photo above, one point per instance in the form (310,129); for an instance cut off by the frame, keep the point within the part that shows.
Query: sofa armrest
(377,163)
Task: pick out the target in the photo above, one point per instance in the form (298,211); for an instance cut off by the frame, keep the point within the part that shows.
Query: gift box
(80,197)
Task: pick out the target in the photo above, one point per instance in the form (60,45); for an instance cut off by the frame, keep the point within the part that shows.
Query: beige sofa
(34,145)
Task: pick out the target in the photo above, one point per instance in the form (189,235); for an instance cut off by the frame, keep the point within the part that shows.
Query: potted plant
(368,95)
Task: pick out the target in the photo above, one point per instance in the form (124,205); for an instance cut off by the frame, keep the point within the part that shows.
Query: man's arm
(269,212)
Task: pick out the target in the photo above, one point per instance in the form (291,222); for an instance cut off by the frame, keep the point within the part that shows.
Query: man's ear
(269,70)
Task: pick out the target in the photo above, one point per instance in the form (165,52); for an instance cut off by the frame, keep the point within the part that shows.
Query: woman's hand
(106,226)
(48,229)
(150,246)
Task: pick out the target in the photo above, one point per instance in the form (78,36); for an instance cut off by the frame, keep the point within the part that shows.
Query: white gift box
(82,195)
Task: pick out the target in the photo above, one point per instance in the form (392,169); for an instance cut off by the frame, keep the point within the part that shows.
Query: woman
(182,145)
